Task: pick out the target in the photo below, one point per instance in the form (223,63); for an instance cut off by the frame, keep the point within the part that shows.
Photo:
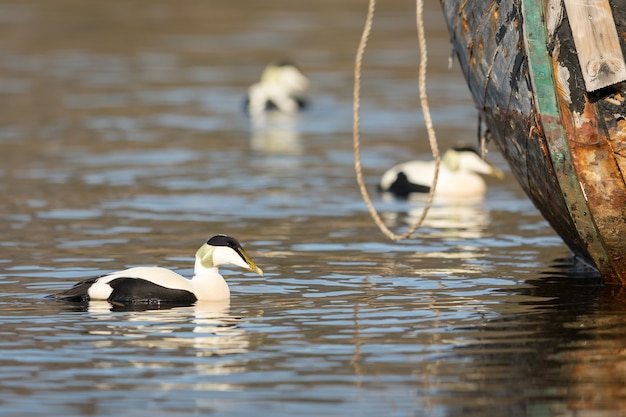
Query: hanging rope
(425,109)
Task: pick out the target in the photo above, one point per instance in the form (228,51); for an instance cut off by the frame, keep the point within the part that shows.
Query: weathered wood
(597,43)
(546,101)
(565,145)
(488,40)
(591,123)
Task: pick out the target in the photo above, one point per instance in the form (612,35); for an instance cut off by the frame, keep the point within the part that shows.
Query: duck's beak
(495,172)
(252,266)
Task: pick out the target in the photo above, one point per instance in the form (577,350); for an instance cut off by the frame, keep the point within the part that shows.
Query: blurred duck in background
(282,88)
(459,176)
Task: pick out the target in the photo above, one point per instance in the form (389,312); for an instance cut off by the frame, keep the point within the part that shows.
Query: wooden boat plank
(586,118)
(487,60)
(551,159)
(596,41)
(548,107)
(508,107)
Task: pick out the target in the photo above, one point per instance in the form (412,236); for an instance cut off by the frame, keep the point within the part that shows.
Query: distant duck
(458,175)
(155,285)
(281,88)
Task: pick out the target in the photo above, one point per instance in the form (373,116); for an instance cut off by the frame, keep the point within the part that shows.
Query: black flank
(141,291)
(401,187)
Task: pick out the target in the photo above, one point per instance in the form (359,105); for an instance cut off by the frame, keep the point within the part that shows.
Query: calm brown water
(123,144)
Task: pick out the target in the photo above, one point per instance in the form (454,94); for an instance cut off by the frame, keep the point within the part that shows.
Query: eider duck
(458,175)
(155,285)
(281,88)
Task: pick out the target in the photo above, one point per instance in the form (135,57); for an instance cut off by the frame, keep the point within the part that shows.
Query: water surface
(124,144)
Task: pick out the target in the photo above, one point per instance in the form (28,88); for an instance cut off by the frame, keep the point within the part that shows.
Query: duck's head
(287,76)
(223,250)
(466,158)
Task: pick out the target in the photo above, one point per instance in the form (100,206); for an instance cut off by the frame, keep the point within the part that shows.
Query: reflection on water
(464,226)
(275,133)
(124,144)
(464,219)
(214,331)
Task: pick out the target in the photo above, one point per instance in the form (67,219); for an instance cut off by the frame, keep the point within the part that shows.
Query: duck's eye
(233,244)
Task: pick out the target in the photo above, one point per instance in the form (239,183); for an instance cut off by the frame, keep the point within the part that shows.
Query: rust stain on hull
(568,160)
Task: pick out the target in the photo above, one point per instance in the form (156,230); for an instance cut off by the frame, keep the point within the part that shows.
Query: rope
(425,109)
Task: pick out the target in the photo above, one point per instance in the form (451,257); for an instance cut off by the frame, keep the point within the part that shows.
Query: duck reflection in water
(447,220)
(275,133)
(208,327)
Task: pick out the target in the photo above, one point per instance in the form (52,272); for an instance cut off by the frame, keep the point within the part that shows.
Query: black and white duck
(459,175)
(282,87)
(154,285)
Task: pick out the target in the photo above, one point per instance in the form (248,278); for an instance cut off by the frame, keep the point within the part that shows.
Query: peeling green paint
(546,104)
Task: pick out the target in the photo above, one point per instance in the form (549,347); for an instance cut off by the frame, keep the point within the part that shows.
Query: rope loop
(419,16)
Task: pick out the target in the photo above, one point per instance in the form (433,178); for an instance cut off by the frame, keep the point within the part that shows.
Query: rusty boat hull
(565,145)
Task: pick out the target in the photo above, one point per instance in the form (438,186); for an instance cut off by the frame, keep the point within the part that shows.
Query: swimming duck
(458,175)
(281,88)
(154,285)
